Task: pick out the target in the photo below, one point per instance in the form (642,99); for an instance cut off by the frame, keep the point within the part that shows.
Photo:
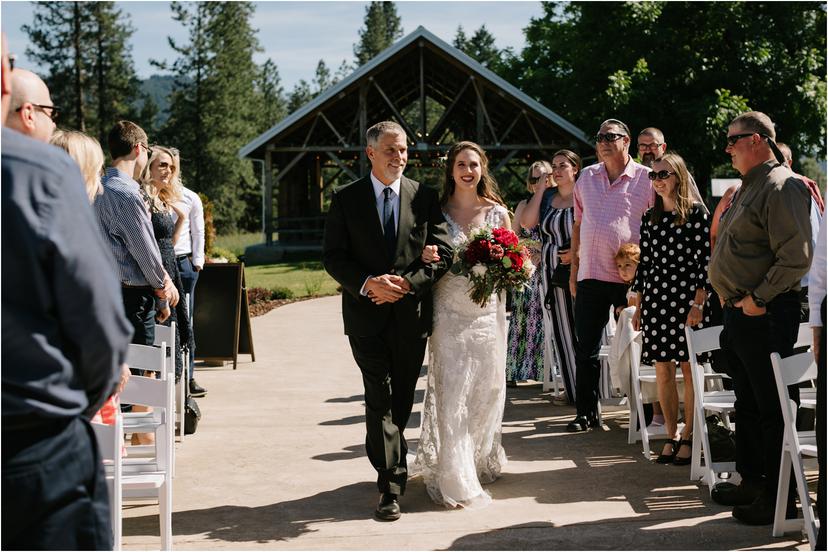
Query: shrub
(281,293)
(209,227)
(220,252)
(258,295)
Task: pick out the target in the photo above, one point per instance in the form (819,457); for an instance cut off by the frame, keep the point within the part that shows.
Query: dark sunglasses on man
(660,175)
(51,111)
(607,137)
(732,139)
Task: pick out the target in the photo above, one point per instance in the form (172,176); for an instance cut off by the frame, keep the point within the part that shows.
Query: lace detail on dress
(459,445)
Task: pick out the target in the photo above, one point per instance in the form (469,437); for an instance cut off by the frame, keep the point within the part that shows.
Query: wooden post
(316,189)
(423,129)
(268,197)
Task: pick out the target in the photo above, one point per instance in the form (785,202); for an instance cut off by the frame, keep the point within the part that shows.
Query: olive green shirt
(764,244)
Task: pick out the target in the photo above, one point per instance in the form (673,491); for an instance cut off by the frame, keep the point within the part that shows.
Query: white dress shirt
(816,277)
(379,195)
(192,233)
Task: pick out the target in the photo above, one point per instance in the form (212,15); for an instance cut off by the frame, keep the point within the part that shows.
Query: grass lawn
(237,242)
(302,278)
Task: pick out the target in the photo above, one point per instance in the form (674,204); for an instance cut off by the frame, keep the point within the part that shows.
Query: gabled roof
(385,59)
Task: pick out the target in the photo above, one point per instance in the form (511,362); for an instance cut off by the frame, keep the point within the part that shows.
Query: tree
(91,75)
(272,95)
(300,95)
(214,104)
(382,27)
(480,47)
(721,59)
(322,80)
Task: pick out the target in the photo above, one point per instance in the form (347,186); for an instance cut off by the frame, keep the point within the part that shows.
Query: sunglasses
(608,137)
(660,175)
(731,140)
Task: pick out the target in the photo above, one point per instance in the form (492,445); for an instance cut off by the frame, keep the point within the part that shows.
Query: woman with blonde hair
(87,153)
(525,357)
(671,286)
(162,189)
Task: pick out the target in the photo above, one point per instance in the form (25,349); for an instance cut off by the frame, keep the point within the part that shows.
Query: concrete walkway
(278,462)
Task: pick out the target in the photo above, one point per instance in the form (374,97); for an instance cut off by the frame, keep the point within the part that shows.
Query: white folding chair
(796,444)
(110,440)
(167,334)
(719,401)
(151,476)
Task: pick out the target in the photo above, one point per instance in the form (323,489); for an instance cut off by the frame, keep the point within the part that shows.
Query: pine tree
(214,105)
(271,95)
(322,80)
(299,96)
(382,27)
(59,40)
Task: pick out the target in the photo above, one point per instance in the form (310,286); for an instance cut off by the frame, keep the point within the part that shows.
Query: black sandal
(668,458)
(683,461)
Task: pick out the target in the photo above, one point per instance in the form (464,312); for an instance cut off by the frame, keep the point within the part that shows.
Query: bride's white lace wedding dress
(459,445)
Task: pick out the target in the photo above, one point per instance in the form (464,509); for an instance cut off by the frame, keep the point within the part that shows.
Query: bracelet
(695,305)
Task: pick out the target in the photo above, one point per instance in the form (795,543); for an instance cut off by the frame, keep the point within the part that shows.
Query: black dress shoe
(196,390)
(761,511)
(728,494)
(580,423)
(669,457)
(388,508)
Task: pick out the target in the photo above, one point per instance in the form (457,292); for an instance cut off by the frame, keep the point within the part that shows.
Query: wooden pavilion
(436,92)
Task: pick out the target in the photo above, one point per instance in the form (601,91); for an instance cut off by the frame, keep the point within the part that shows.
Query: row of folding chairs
(147,470)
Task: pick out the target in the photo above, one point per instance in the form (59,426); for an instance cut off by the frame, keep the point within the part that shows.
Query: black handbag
(561,273)
(192,414)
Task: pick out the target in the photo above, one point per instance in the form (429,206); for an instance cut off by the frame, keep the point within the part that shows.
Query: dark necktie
(388,225)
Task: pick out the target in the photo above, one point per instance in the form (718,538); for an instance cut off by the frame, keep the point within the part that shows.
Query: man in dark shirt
(64,339)
(762,252)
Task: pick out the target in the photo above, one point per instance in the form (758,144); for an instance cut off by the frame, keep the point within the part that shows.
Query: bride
(459,445)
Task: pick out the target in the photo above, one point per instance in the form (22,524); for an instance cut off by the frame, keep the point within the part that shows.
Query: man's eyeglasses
(51,111)
(12,60)
(608,137)
(146,147)
(651,147)
(660,175)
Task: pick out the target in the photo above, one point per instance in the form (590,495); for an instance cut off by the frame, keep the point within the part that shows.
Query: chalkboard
(218,312)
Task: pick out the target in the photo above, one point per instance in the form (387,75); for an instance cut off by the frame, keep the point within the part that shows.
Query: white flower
(528,267)
(479,270)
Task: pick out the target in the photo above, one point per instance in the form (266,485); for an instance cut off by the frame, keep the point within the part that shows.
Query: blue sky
(297,34)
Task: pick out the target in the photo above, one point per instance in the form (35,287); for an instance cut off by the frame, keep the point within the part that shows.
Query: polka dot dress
(673,265)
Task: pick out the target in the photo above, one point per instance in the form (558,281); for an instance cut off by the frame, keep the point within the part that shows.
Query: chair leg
(805,501)
(779,520)
(632,433)
(165,514)
(695,457)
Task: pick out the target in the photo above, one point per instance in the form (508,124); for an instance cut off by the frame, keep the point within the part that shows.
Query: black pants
(748,342)
(820,425)
(189,278)
(592,306)
(139,307)
(390,363)
(54,491)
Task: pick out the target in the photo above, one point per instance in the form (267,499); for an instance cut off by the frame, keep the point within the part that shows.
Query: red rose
(505,237)
(517,260)
(497,252)
(477,251)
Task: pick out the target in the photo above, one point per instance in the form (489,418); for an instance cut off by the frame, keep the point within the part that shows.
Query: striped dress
(524,360)
(559,314)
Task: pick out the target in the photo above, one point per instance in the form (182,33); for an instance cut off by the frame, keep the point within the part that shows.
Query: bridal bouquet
(493,260)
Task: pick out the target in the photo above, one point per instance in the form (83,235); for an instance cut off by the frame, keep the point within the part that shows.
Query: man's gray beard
(648,159)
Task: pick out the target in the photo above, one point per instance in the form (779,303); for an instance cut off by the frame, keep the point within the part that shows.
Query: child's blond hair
(629,251)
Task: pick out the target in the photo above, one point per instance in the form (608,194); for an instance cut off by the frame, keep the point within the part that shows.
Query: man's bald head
(31,106)
(5,79)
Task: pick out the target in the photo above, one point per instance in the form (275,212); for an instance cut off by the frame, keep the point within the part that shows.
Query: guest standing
(161,192)
(763,251)
(610,198)
(64,339)
(552,210)
(525,358)
(87,153)
(671,284)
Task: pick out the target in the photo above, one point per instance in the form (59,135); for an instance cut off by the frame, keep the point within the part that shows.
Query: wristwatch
(758,302)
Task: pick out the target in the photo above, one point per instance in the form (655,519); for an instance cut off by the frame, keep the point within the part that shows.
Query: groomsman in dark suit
(376,231)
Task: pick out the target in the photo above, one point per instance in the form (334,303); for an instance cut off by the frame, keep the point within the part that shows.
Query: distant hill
(159,87)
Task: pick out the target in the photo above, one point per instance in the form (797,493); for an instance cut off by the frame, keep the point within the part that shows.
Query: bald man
(32,111)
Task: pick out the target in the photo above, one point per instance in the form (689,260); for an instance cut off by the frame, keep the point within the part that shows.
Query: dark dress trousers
(388,341)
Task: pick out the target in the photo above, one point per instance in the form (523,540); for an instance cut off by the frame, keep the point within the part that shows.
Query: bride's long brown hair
(487,187)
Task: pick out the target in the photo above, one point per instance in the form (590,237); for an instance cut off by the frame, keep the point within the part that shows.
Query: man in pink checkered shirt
(610,199)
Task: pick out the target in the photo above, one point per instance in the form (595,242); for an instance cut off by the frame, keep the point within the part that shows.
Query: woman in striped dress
(554,215)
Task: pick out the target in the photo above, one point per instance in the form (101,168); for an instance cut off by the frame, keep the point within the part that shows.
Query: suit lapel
(367,205)
(407,191)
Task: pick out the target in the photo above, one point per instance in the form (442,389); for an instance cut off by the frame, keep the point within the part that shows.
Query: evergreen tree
(59,36)
(480,47)
(382,27)
(271,94)
(214,104)
(299,96)
(322,80)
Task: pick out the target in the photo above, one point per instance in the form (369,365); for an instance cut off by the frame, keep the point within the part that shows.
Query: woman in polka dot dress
(671,284)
